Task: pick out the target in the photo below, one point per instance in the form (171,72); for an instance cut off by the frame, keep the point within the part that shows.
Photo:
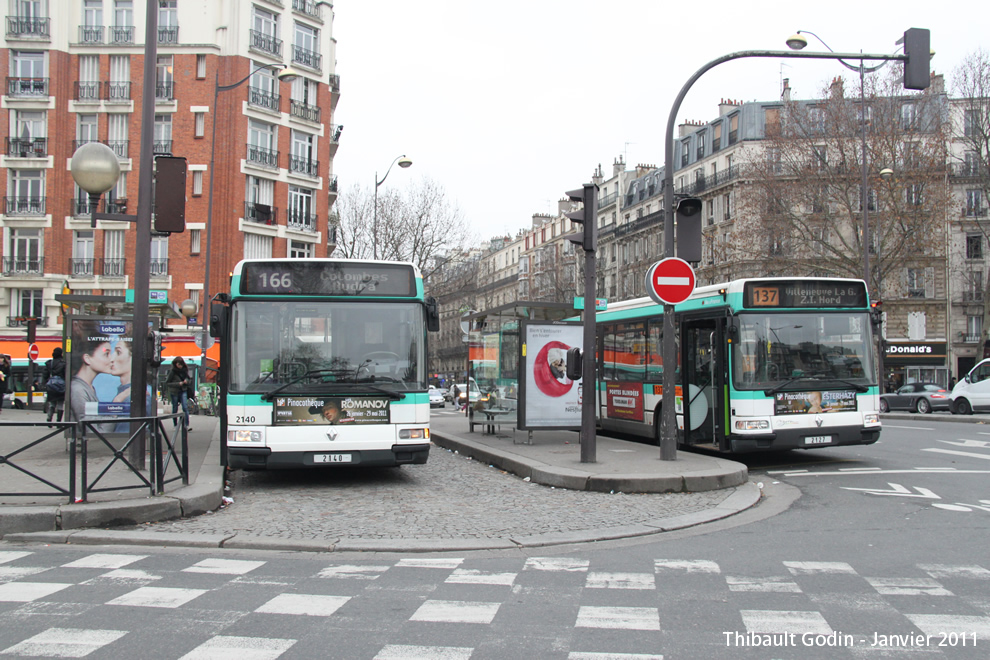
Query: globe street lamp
(403,163)
(286,74)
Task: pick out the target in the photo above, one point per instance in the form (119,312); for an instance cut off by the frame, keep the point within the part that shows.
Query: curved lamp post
(285,74)
(403,163)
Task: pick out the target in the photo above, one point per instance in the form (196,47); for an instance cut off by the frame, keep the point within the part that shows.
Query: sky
(510,104)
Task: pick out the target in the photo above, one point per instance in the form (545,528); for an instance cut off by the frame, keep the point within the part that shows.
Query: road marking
(937,625)
(774,621)
(763,585)
(157,597)
(968,443)
(6,556)
(970,454)
(418,562)
(25,592)
(862,469)
(909,428)
(243,648)
(813,567)
(470,576)
(65,642)
(224,566)
(898,491)
(353,572)
(908,587)
(623,618)
(911,471)
(456,611)
(686,565)
(946,570)
(621,581)
(959,506)
(104,561)
(564,564)
(308,604)
(408,652)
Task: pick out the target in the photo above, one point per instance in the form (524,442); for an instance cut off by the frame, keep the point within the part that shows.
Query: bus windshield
(781,350)
(327,347)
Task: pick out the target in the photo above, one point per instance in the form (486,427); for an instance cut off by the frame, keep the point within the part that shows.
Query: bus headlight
(871,418)
(244,436)
(412,434)
(752,424)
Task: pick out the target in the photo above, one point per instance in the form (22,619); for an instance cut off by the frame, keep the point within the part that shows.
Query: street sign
(33,351)
(670,281)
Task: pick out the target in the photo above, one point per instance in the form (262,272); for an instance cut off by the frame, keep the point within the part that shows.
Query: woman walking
(177,384)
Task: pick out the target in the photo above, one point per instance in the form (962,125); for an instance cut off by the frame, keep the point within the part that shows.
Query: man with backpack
(55,385)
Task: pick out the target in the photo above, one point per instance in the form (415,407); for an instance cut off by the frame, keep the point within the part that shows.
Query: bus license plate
(818,440)
(331,458)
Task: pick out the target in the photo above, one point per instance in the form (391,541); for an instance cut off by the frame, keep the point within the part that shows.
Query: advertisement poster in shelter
(99,365)
(550,400)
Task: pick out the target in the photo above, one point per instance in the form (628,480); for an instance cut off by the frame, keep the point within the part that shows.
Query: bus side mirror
(575,364)
(218,313)
(432,315)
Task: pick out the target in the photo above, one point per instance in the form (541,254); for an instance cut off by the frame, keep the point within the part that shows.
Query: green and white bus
(764,364)
(323,363)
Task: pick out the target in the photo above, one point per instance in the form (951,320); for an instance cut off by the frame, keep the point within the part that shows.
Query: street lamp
(286,74)
(403,163)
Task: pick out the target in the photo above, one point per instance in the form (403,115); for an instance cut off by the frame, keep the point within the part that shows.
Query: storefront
(915,361)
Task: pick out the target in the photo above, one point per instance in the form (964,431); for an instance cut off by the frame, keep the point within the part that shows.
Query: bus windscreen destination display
(308,278)
(806,294)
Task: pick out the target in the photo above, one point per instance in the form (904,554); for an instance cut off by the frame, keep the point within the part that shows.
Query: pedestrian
(55,385)
(6,385)
(177,384)
(457,397)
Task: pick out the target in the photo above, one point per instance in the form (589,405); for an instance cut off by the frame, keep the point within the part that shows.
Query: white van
(972,392)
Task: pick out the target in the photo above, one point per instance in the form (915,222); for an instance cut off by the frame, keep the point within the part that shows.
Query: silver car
(916,397)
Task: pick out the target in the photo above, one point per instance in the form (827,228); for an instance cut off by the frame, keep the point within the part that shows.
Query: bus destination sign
(808,293)
(315,278)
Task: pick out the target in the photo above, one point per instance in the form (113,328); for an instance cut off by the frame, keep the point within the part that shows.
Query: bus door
(704,373)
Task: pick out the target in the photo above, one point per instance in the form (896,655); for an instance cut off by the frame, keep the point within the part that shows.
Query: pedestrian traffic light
(574,368)
(688,215)
(917,48)
(170,194)
(587,216)
(154,351)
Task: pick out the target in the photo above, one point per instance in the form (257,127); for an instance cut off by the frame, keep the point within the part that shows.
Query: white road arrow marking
(970,454)
(983,444)
(898,490)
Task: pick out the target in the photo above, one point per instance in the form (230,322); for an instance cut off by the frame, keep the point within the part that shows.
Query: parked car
(436,398)
(916,397)
(972,392)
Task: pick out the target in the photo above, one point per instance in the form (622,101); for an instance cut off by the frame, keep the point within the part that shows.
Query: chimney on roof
(618,166)
(836,88)
(785,94)
(726,106)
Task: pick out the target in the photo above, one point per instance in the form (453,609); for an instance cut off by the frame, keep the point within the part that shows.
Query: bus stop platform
(553,458)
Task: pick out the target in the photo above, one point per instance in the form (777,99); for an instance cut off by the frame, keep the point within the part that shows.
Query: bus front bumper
(784,439)
(263,458)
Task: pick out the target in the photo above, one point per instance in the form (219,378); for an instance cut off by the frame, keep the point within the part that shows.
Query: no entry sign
(670,281)
(33,351)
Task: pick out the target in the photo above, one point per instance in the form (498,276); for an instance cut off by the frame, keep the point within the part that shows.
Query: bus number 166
(276,280)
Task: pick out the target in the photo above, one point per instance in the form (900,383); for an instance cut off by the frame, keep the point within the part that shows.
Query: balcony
(168,35)
(87,92)
(22,321)
(121,35)
(163,148)
(24,206)
(90,34)
(308,58)
(972,296)
(966,170)
(304,111)
(303,165)
(158,267)
(607,200)
(20,27)
(81,207)
(115,206)
(165,90)
(332,187)
(709,182)
(27,88)
(263,98)
(301,221)
(308,7)
(82,267)
(27,147)
(114,268)
(267,158)
(117,92)
(971,339)
(266,43)
(23,265)
(262,214)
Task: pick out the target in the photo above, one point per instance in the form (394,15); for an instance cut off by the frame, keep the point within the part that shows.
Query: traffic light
(32,330)
(917,47)
(170,194)
(574,368)
(587,216)
(154,351)
(876,312)
(688,212)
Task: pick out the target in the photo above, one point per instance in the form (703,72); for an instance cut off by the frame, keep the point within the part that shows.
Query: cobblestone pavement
(451,497)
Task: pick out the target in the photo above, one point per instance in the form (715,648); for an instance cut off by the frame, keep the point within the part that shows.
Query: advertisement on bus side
(332,410)
(803,403)
(624,400)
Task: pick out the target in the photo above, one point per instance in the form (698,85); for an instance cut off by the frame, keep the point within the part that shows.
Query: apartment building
(75,75)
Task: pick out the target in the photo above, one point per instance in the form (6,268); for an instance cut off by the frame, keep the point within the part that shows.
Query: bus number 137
(765,296)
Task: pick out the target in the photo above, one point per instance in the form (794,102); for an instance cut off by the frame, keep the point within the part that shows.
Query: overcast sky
(509,104)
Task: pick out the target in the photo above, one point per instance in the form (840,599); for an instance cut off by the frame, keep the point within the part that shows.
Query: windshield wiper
(268,396)
(814,378)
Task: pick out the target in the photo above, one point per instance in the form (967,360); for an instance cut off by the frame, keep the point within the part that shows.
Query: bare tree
(421,225)
(804,205)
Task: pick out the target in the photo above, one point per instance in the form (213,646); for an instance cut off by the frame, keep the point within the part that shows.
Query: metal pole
(374,238)
(589,384)
(142,256)
(209,229)
(866,191)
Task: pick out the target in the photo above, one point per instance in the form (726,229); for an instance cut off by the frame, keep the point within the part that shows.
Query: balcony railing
(165,90)
(306,57)
(21,27)
(79,267)
(158,267)
(163,147)
(115,206)
(121,34)
(91,34)
(22,321)
(24,205)
(27,87)
(263,98)
(87,91)
(81,207)
(972,296)
(266,43)
(607,200)
(168,35)
(308,7)
(334,83)
(263,157)
(332,186)
(23,265)
(966,170)
(263,214)
(114,268)
(27,148)
(116,92)
(301,221)
(710,181)
(971,339)
(304,165)
(304,111)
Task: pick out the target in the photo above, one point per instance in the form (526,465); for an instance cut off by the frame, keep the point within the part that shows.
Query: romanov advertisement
(550,399)
(100,364)
(802,403)
(332,410)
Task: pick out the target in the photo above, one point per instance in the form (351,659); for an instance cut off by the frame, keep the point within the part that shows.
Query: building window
(201,66)
(915,282)
(195,240)
(909,116)
(300,250)
(200,124)
(726,206)
(914,194)
(974,203)
(974,246)
(733,129)
(701,146)
(974,328)
(257,246)
(164,90)
(971,123)
(306,46)
(159,255)
(28,188)
(197,183)
(28,302)
(24,253)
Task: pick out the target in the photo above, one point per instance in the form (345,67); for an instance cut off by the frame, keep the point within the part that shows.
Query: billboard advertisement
(99,361)
(803,403)
(332,410)
(550,400)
